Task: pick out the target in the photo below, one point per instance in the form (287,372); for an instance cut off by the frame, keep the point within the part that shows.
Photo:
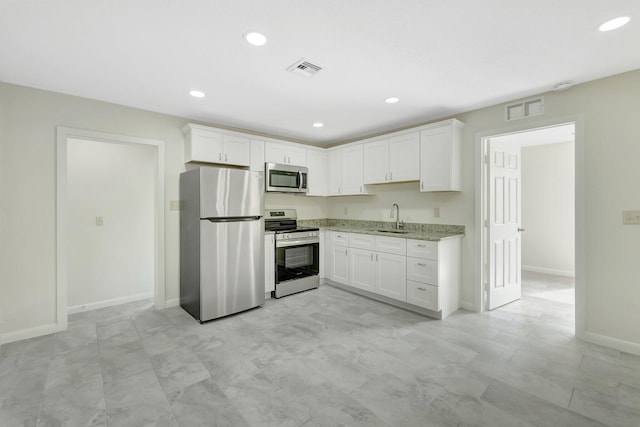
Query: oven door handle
(288,243)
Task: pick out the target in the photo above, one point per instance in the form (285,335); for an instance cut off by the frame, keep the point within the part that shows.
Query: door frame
(63,134)
(480,194)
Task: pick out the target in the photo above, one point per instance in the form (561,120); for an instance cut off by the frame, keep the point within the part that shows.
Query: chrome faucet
(399,223)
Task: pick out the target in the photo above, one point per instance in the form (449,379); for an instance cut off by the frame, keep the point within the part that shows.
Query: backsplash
(355,223)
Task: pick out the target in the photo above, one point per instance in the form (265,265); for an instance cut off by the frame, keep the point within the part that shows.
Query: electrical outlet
(631,217)
(436,212)
(99,221)
(174,205)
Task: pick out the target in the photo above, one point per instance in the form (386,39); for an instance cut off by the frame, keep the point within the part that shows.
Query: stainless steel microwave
(285,178)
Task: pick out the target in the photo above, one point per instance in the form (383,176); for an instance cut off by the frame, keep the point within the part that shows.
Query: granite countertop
(430,232)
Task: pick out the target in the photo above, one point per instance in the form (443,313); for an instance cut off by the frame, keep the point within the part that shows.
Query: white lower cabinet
(269,263)
(417,272)
(392,275)
(362,269)
(339,258)
(422,295)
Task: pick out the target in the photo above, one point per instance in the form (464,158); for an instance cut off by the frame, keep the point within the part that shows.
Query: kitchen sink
(394,231)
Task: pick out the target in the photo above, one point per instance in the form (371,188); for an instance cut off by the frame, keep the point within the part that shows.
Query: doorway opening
(529,217)
(110,221)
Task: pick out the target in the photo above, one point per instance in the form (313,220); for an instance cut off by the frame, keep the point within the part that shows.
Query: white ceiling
(439,57)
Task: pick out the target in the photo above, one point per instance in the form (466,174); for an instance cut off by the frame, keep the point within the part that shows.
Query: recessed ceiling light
(196,93)
(391,100)
(562,86)
(614,23)
(318,124)
(255,38)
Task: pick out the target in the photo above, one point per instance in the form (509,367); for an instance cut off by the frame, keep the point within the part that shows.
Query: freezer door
(231,267)
(226,192)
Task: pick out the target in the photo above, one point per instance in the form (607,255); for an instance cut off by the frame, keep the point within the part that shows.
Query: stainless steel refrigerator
(221,241)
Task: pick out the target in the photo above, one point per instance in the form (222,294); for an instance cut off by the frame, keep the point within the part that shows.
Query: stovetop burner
(283,221)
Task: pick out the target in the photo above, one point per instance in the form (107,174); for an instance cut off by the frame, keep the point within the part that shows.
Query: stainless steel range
(297,253)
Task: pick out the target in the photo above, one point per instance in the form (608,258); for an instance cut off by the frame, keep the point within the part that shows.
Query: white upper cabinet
(345,171)
(404,157)
(257,156)
(276,152)
(440,157)
(211,145)
(393,159)
(352,165)
(334,172)
(317,165)
(376,161)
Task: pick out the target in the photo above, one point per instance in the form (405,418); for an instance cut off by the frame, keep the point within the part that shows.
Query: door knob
(521,229)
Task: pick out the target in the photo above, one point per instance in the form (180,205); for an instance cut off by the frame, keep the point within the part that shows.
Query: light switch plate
(631,217)
(99,221)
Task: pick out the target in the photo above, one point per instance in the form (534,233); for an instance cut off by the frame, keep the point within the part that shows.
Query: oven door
(297,259)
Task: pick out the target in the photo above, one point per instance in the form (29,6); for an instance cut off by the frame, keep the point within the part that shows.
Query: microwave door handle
(299,180)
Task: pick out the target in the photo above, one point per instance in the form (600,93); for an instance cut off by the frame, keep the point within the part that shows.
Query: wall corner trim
(174,302)
(470,306)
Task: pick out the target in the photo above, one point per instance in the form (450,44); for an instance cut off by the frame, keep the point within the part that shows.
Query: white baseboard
(615,343)
(172,302)
(549,271)
(25,334)
(108,303)
(468,305)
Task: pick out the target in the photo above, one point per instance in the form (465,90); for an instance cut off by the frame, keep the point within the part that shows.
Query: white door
(503,227)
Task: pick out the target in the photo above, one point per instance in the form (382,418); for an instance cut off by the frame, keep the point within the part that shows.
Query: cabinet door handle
(371,257)
(385,177)
(219,156)
(345,252)
(226,157)
(377,259)
(421,289)
(391,176)
(422,264)
(422,246)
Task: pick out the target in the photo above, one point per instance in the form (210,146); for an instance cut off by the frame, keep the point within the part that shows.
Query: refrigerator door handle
(233,219)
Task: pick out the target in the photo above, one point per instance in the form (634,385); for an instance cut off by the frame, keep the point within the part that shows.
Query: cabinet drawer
(391,245)
(339,238)
(422,270)
(362,241)
(423,295)
(422,249)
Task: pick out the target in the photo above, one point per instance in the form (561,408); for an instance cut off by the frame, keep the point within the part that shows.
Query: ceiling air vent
(304,68)
(523,109)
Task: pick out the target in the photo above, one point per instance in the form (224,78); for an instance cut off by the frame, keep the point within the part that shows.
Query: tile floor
(322,358)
